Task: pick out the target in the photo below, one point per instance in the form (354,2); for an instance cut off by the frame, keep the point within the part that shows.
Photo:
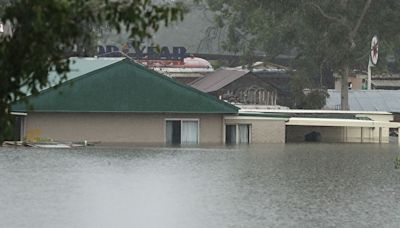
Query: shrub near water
(397,162)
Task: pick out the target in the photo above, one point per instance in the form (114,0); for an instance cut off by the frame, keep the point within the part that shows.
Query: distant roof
(310,111)
(123,86)
(303,113)
(386,83)
(218,79)
(367,100)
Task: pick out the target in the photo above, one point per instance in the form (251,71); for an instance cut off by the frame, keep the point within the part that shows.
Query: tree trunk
(2,126)
(344,91)
(4,123)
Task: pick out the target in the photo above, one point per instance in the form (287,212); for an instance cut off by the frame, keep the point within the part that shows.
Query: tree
(46,31)
(327,35)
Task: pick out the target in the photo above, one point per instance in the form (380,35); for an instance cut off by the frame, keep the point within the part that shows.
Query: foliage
(327,35)
(45,32)
(305,95)
(397,162)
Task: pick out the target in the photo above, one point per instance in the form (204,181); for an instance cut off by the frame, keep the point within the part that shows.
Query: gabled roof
(218,79)
(124,86)
(367,100)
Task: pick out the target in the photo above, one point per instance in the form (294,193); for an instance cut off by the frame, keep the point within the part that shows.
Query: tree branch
(324,14)
(360,19)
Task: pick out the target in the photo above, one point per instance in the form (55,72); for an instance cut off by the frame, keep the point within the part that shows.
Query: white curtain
(243,133)
(230,134)
(189,133)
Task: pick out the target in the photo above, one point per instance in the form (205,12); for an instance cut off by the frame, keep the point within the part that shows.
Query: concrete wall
(263,130)
(338,134)
(115,127)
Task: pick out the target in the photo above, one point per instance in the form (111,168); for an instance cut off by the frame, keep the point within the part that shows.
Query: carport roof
(295,121)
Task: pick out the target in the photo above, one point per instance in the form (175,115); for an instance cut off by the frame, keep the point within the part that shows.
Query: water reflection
(292,185)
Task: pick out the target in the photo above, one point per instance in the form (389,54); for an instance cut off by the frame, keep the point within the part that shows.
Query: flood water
(292,185)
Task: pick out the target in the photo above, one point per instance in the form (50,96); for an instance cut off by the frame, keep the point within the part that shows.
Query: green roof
(124,86)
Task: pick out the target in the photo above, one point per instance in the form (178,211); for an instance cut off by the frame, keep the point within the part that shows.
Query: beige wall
(263,130)
(115,127)
(356,81)
(338,134)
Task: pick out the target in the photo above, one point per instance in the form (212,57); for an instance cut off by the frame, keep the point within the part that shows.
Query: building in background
(185,70)
(358,81)
(237,86)
(262,84)
(368,100)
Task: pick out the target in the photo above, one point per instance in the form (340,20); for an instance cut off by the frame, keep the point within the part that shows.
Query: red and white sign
(374,50)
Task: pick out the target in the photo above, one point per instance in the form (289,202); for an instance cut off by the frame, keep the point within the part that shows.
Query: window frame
(182,120)
(237,132)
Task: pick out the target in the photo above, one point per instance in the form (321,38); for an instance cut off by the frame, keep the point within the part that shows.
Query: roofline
(236,117)
(25,112)
(363,91)
(315,111)
(18,113)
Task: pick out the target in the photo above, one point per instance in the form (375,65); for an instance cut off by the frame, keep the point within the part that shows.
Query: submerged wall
(262,130)
(115,127)
(338,134)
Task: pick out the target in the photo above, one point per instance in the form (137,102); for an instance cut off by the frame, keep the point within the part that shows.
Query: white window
(237,133)
(182,131)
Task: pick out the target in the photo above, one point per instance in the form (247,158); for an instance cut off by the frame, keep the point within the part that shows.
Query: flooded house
(122,101)
(116,100)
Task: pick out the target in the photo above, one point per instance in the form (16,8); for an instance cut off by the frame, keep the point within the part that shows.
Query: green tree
(327,35)
(45,32)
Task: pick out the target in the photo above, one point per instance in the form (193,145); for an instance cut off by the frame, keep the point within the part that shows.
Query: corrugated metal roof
(218,79)
(367,100)
(386,83)
(124,86)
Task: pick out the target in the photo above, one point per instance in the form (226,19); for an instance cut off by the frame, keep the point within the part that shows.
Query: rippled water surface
(292,185)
